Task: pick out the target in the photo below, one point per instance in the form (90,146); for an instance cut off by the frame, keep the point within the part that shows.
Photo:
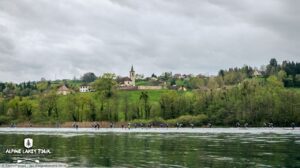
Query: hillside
(244,95)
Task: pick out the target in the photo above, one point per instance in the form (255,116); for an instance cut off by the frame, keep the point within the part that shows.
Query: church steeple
(131,69)
(132,75)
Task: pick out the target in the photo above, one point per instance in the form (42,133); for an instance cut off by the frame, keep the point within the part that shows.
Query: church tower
(132,76)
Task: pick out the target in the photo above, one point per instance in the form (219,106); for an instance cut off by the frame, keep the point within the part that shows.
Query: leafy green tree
(48,104)
(144,97)
(88,77)
(297,80)
(72,107)
(197,83)
(90,109)
(106,85)
(274,81)
(282,75)
(221,73)
(273,62)
(43,86)
(212,83)
(166,76)
(272,68)
(167,105)
(26,108)
(126,107)
(13,110)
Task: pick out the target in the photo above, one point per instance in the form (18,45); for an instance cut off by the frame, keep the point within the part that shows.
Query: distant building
(257,73)
(179,88)
(154,78)
(85,88)
(127,81)
(177,76)
(63,90)
(182,88)
(132,76)
(124,81)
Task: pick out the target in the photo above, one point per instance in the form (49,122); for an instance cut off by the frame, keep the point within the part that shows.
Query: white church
(127,81)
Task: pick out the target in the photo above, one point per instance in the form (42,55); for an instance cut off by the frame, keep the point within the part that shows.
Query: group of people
(97,125)
(14,125)
(239,125)
(75,125)
(136,125)
(270,125)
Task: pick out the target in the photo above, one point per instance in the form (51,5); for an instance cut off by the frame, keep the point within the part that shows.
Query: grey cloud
(68,38)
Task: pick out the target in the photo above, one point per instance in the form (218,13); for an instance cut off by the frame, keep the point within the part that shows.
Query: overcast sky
(66,38)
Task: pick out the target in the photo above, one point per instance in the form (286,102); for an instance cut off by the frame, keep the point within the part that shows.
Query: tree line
(255,101)
(235,95)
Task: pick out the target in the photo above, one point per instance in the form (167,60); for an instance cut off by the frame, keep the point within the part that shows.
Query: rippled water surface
(226,147)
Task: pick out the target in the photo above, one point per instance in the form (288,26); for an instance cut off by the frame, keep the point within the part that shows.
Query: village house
(182,88)
(124,81)
(153,78)
(257,73)
(63,90)
(177,76)
(85,88)
(179,88)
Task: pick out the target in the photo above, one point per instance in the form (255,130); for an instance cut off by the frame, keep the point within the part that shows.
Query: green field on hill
(154,95)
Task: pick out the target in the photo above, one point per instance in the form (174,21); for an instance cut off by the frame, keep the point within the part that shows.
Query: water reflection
(162,150)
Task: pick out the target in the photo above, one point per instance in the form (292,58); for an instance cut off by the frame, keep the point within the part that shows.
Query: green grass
(154,95)
(142,83)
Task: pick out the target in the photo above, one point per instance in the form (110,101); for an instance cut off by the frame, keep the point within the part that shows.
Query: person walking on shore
(271,125)
(97,125)
(75,125)
(246,125)
(293,125)
(192,125)
(128,125)
(209,125)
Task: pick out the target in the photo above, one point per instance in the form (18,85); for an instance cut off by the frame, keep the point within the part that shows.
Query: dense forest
(244,95)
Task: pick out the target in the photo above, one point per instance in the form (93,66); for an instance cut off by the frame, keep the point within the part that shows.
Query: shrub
(4,120)
(197,120)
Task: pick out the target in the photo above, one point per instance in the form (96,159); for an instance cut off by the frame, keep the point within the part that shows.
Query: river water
(156,147)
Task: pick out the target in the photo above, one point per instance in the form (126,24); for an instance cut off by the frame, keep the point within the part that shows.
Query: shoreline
(106,124)
(93,131)
(68,124)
